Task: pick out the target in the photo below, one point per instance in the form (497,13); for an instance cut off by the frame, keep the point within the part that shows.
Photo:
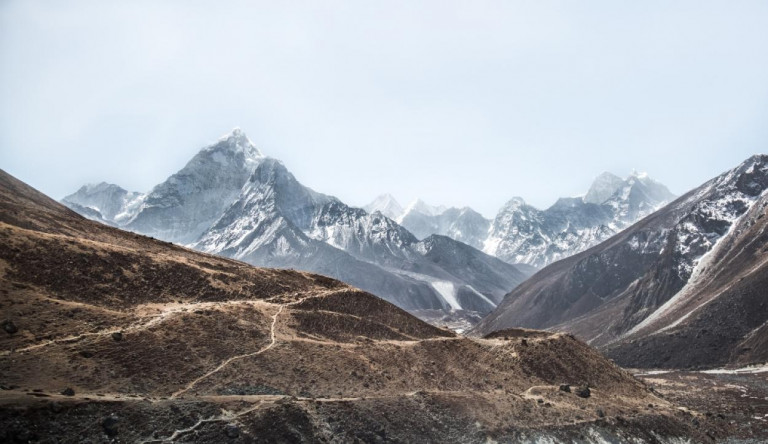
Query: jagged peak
(90,188)
(750,176)
(515,203)
(384,200)
(639,174)
(603,187)
(236,141)
(756,160)
(420,206)
(385,204)
(607,175)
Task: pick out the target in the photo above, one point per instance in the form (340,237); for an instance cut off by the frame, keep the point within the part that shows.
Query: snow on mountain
(461,224)
(276,221)
(421,207)
(521,233)
(637,197)
(104,202)
(386,205)
(661,274)
(187,203)
(603,187)
(233,201)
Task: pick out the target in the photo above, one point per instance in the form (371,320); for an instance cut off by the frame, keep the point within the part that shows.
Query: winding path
(272,342)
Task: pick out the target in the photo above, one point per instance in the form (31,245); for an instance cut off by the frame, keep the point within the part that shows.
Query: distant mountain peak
(387,205)
(420,206)
(235,142)
(98,187)
(515,203)
(110,201)
(603,187)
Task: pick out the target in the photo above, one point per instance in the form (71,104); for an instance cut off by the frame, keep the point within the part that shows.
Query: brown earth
(729,407)
(160,343)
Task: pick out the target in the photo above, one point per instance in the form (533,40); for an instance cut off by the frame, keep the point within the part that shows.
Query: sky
(458,103)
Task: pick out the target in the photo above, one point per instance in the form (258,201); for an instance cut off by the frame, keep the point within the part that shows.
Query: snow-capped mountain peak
(387,205)
(232,146)
(521,233)
(603,187)
(104,202)
(639,174)
(515,203)
(419,206)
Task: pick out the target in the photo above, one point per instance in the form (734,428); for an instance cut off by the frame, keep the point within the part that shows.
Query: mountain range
(625,269)
(523,234)
(684,287)
(232,200)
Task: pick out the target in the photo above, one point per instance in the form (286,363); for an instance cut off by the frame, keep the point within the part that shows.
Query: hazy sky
(460,103)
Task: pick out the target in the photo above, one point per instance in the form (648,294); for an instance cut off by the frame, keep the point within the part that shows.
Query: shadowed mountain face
(656,294)
(112,335)
(231,200)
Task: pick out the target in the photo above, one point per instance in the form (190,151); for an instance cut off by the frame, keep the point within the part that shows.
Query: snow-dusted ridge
(523,234)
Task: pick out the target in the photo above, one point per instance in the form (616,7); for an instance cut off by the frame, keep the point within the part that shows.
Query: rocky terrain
(727,405)
(110,335)
(684,287)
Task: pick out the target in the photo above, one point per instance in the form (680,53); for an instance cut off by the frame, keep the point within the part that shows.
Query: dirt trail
(218,368)
(162,313)
(272,342)
(226,416)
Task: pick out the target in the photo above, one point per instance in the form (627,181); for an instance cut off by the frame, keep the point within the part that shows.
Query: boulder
(583,392)
(9,326)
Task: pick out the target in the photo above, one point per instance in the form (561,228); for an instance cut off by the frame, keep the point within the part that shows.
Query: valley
(149,340)
(112,334)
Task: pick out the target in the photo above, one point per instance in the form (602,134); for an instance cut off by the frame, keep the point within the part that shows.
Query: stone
(110,425)
(583,392)
(232,431)
(9,327)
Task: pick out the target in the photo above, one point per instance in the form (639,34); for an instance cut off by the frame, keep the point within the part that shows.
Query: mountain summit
(603,187)
(387,205)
